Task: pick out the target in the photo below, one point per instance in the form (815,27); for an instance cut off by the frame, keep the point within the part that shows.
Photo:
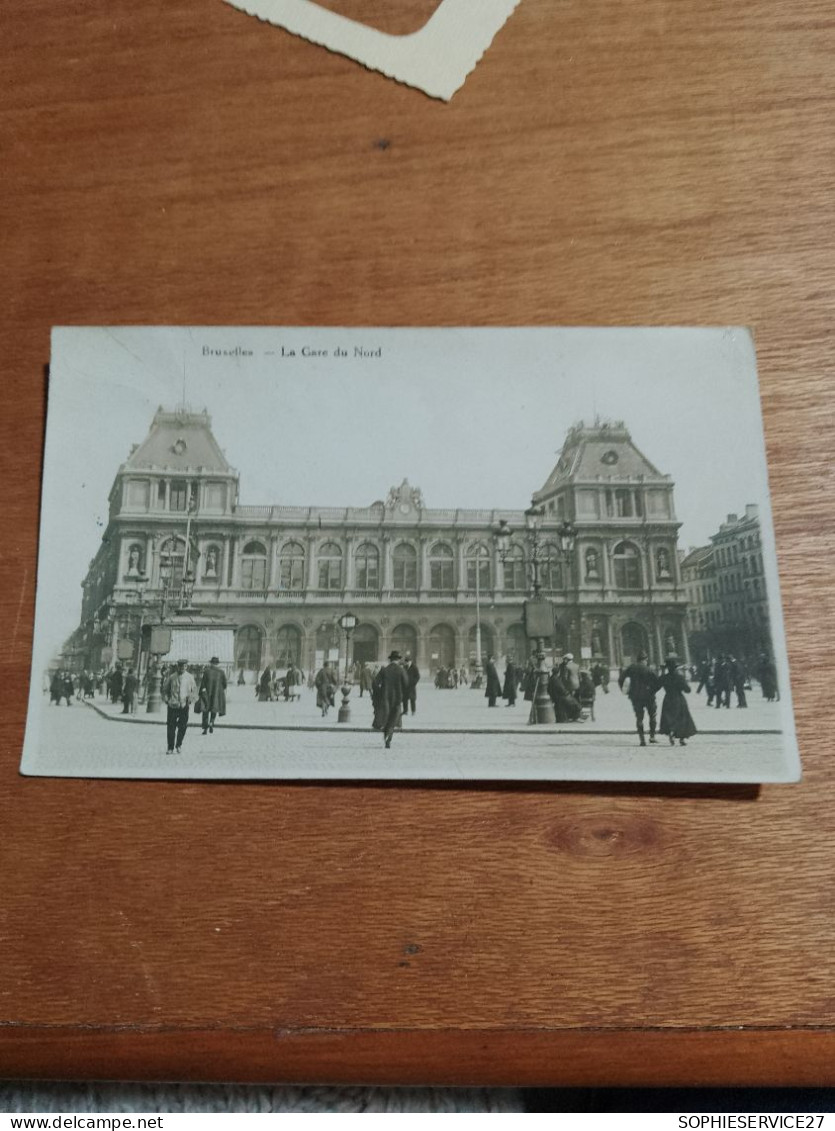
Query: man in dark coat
(325,683)
(265,685)
(388,694)
(116,681)
(129,690)
(493,688)
(366,679)
(509,688)
(722,682)
(412,678)
(213,694)
(643,686)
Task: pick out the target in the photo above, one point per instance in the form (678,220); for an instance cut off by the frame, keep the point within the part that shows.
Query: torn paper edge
(436,59)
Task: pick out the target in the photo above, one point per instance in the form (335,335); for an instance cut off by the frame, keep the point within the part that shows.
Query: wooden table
(663,161)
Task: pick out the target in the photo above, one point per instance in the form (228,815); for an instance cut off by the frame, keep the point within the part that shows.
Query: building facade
(421,580)
(725,581)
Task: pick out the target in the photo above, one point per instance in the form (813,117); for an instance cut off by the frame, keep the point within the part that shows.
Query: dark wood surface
(661,162)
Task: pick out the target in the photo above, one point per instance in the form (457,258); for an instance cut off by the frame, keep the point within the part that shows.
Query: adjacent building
(726,590)
(422,580)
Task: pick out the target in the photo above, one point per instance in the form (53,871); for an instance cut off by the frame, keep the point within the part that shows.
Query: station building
(180,543)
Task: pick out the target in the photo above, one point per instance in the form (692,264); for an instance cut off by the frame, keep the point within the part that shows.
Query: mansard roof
(603,450)
(180,441)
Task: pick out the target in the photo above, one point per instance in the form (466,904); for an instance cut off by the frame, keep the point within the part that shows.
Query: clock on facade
(609,457)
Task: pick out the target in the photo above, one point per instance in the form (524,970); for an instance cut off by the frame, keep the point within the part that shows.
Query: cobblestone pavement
(82,742)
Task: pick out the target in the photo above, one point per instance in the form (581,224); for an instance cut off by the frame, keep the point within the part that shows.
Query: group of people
(394,694)
(570,688)
(180,691)
(448,678)
(271,686)
(725,673)
(642,685)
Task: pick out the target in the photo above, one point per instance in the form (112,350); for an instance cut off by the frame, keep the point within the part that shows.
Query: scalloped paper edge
(436,59)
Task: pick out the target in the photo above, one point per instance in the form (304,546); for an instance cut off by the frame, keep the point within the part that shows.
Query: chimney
(732,518)
(752,510)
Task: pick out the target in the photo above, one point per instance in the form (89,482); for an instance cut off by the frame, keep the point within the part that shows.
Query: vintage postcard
(437,554)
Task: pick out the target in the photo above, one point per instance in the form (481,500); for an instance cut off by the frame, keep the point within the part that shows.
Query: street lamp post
(154,675)
(347,622)
(476,681)
(543,708)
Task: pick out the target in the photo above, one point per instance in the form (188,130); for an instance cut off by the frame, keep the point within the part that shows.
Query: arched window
(368,567)
(254,566)
(404,561)
(478,567)
(441,571)
(550,567)
(329,561)
(515,579)
(518,647)
(627,562)
(404,639)
(291,566)
(365,644)
(288,646)
(488,643)
(441,647)
(248,644)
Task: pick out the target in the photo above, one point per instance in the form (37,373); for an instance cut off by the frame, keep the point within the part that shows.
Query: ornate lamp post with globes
(539,613)
(347,622)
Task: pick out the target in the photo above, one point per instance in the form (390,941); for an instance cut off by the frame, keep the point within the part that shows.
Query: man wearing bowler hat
(388,694)
(178,691)
(213,694)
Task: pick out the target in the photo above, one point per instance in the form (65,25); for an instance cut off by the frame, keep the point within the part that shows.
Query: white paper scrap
(437,58)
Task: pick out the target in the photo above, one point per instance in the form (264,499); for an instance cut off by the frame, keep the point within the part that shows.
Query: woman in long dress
(676,720)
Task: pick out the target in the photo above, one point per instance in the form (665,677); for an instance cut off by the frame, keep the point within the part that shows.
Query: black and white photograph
(436,554)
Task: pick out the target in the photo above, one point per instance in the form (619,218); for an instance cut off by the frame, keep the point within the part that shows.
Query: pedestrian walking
(412,680)
(493,687)
(388,694)
(600,675)
(676,720)
(586,692)
(116,681)
(265,685)
(212,694)
(68,687)
(766,673)
(129,690)
(293,683)
(324,683)
(722,682)
(56,688)
(509,687)
(366,679)
(178,693)
(738,677)
(643,687)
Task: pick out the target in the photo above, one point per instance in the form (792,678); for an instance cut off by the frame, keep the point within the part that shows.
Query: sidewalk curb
(349,728)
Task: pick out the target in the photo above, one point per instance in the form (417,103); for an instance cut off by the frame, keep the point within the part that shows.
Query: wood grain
(665,162)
